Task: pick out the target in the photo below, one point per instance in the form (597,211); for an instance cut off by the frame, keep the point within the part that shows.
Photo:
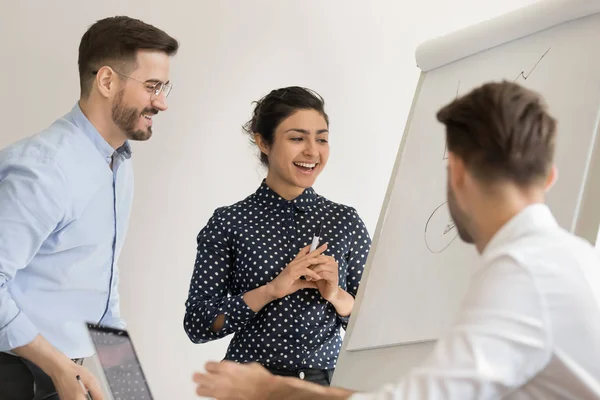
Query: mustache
(152,111)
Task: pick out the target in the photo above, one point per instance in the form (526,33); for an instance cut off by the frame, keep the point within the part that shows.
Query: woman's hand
(328,285)
(288,281)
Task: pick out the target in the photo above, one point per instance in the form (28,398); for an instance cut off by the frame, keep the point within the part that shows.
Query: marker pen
(315,241)
(316,238)
(86,392)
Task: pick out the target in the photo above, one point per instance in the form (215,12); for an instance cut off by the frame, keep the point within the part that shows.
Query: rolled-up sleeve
(113,314)
(32,199)
(209,290)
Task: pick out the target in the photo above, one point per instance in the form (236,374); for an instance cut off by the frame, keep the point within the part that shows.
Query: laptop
(119,363)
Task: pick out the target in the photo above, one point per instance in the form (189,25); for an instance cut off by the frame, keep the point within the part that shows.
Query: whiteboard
(418,269)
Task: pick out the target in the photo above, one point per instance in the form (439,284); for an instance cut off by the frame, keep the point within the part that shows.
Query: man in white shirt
(529,327)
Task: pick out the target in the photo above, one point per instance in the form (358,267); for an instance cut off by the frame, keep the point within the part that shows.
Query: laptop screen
(120,363)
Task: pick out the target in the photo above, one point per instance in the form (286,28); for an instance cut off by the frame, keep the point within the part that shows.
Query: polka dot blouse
(245,246)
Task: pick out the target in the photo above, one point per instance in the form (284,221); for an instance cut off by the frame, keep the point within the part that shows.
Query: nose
(310,148)
(160,102)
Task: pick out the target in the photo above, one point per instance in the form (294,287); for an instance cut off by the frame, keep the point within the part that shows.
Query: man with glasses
(65,199)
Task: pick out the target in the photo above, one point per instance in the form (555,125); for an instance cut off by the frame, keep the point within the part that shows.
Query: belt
(302,373)
(6,358)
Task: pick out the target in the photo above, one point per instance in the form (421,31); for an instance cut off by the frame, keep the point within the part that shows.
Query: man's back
(529,326)
(563,275)
(530,323)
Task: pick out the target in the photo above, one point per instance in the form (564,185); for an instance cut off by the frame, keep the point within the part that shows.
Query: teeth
(146,116)
(306,165)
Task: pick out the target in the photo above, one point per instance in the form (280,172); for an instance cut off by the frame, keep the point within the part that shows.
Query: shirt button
(301,375)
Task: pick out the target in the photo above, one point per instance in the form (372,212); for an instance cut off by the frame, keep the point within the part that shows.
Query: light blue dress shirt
(63,218)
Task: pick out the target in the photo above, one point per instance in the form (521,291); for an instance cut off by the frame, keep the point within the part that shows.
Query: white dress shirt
(529,327)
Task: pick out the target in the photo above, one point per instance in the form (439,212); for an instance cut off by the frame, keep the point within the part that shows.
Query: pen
(316,238)
(88,396)
(315,242)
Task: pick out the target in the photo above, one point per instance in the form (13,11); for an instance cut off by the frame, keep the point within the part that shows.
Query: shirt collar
(533,218)
(270,198)
(105,149)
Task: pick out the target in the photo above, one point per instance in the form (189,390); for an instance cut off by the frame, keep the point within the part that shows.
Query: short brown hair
(116,40)
(502,131)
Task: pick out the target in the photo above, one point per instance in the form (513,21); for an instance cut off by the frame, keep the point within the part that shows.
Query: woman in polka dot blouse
(254,275)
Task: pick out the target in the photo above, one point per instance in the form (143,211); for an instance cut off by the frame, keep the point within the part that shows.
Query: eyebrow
(156,81)
(304,131)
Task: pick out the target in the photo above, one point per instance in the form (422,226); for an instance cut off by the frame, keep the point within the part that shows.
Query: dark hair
(116,40)
(272,109)
(502,131)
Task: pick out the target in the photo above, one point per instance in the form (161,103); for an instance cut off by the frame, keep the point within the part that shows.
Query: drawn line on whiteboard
(440,229)
(446,145)
(451,225)
(522,73)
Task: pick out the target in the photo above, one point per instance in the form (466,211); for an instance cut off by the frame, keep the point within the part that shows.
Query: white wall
(359,55)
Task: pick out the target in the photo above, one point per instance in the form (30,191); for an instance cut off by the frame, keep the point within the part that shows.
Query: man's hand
(227,380)
(61,369)
(67,386)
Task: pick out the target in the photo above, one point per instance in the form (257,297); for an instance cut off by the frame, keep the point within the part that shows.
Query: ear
(456,172)
(106,81)
(551,179)
(262,145)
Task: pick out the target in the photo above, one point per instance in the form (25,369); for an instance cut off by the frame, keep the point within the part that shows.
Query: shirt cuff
(19,332)
(237,313)
(361,396)
(116,323)
(344,320)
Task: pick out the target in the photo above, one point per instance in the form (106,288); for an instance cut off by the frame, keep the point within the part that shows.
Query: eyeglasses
(155,87)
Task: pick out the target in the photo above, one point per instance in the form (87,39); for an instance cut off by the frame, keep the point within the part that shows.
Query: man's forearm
(297,389)
(43,354)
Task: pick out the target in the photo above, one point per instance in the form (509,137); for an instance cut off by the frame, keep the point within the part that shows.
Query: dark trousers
(319,376)
(20,379)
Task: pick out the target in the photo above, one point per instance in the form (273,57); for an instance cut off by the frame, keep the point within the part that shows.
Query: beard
(459,217)
(126,118)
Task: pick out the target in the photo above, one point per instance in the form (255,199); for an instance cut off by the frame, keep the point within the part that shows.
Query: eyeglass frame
(152,84)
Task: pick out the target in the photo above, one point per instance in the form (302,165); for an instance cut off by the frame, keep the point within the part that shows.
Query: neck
(282,188)
(499,207)
(102,121)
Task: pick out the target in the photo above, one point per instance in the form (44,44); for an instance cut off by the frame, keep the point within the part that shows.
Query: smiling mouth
(306,166)
(148,117)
